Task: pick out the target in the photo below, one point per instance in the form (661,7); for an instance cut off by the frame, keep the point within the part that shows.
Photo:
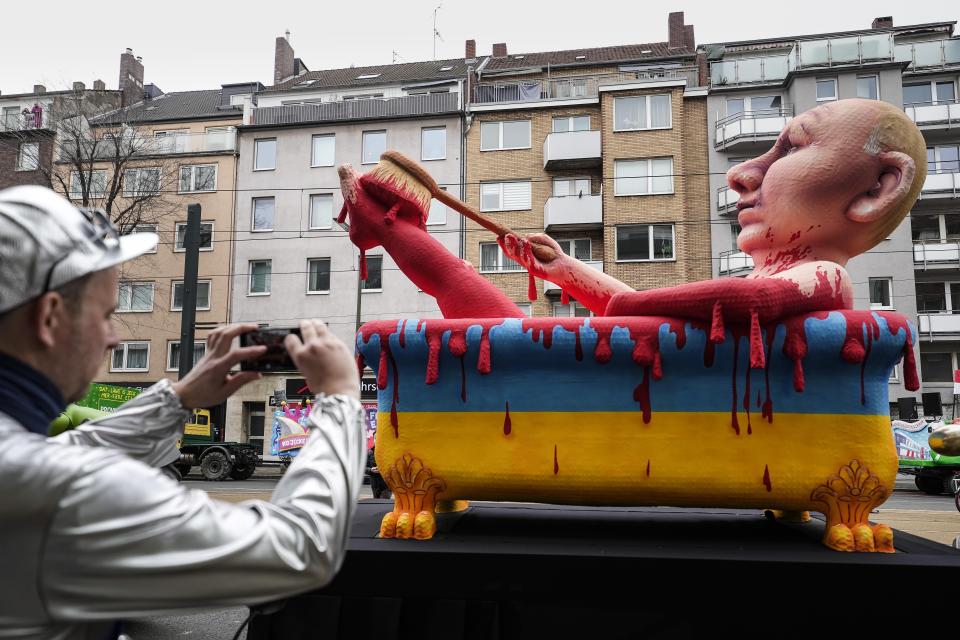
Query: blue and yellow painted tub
(639,411)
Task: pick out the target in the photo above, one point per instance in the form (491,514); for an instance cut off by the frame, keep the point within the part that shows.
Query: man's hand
(210,382)
(324,360)
(521,250)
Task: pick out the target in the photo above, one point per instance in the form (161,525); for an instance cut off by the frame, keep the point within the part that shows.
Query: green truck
(933,473)
(198,447)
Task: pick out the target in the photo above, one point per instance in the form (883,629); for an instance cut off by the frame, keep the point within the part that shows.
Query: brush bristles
(388,172)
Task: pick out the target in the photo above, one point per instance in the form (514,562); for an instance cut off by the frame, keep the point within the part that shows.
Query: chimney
(470,50)
(675,30)
(282,60)
(39,88)
(99,85)
(882,23)
(500,50)
(131,78)
(79,86)
(688,37)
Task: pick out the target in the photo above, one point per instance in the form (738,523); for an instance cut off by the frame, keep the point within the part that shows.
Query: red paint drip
(648,468)
(394,422)
(531,287)
(382,369)
(734,420)
(483,359)
(463,379)
(556,465)
(757,358)
(507,424)
(766,478)
(641,394)
(564,297)
(457,343)
(746,400)
(795,348)
(402,336)
(578,348)
(709,353)
(767,411)
(716,324)
(537,329)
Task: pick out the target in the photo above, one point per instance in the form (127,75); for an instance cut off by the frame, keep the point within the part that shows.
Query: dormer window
(306,83)
(518,57)
(446,68)
(368,76)
(581,57)
(647,51)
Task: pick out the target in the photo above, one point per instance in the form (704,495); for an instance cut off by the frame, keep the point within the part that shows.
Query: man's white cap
(46,242)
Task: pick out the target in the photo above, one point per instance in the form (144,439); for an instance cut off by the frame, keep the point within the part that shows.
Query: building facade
(757,86)
(603,149)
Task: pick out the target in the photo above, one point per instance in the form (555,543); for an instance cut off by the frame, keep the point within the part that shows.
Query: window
(734,234)
(206,236)
(643,242)
(826,89)
(505,196)
(203,295)
(135,297)
(438,212)
(563,187)
(572,310)
(931,297)
(943,159)
(141,182)
(28,156)
(260,277)
(643,177)
(526,307)
(144,228)
(265,154)
(756,105)
(318,275)
(96,184)
(374,281)
(131,356)
(363,96)
(642,112)
(263,213)
(198,177)
(499,136)
(433,143)
(323,150)
(572,123)
(321,211)
(936,367)
(868,87)
(881,293)
(173,353)
(492,259)
(374,144)
(579,248)
(255,422)
(917,94)
(368,76)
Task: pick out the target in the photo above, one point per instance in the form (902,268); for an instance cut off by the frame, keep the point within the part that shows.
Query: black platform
(504,571)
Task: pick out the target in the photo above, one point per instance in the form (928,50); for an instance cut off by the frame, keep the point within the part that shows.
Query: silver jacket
(91,532)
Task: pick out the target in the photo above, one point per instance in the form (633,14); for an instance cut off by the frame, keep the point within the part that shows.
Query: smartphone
(276,358)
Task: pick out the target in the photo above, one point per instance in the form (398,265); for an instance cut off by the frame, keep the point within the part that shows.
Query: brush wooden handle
(542,253)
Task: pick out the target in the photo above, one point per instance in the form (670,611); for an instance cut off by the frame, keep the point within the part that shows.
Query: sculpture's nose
(746,176)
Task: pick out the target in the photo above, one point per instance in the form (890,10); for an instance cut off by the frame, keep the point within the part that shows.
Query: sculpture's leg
(848,498)
(415,491)
(788,516)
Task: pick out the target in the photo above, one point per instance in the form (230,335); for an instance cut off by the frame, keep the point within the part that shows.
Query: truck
(933,473)
(198,446)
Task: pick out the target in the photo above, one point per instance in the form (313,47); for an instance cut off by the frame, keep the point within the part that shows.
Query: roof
(179,105)
(930,26)
(378,75)
(594,56)
(433,104)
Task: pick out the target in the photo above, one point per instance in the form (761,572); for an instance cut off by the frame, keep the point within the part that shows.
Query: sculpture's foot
(452,506)
(405,525)
(414,500)
(860,537)
(787,516)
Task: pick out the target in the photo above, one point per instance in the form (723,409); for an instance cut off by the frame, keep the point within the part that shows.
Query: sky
(201,45)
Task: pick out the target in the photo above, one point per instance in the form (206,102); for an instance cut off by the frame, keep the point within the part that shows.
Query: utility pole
(191,264)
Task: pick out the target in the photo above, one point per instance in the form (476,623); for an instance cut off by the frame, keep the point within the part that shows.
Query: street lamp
(346,227)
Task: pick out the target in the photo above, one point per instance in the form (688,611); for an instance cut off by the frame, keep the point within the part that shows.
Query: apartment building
(179,149)
(757,86)
(604,149)
(292,260)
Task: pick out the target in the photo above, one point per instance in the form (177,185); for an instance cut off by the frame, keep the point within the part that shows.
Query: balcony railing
(19,122)
(550,287)
(572,87)
(937,253)
(943,180)
(727,200)
(225,140)
(935,54)
(573,210)
(571,150)
(849,50)
(369,109)
(759,125)
(943,113)
(734,261)
(741,71)
(932,324)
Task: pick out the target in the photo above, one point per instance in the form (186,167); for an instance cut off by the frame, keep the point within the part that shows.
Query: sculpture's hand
(521,250)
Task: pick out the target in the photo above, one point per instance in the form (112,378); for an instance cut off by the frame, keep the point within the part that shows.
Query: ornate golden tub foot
(415,492)
(787,516)
(849,497)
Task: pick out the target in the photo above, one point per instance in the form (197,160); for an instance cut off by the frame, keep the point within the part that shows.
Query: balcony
(208,142)
(935,254)
(549,287)
(749,71)
(432,104)
(943,181)
(929,56)
(751,129)
(943,115)
(573,212)
(735,263)
(932,325)
(846,51)
(572,150)
(727,201)
(17,122)
(572,87)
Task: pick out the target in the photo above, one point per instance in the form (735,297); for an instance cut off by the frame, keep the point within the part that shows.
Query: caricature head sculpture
(839,179)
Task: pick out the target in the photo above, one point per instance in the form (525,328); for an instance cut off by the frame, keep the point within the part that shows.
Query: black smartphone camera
(276,358)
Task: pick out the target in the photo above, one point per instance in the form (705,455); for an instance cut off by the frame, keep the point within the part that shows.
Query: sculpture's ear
(897,173)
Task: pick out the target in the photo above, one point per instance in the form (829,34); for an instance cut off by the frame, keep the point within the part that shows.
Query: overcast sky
(201,45)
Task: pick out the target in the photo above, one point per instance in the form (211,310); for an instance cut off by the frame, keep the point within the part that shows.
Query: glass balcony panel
(844,50)
(951,51)
(903,53)
(722,73)
(928,54)
(776,67)
(814,53)
(750,70)
(875,47)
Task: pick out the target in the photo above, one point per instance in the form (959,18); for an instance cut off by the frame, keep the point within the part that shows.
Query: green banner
(107,397)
